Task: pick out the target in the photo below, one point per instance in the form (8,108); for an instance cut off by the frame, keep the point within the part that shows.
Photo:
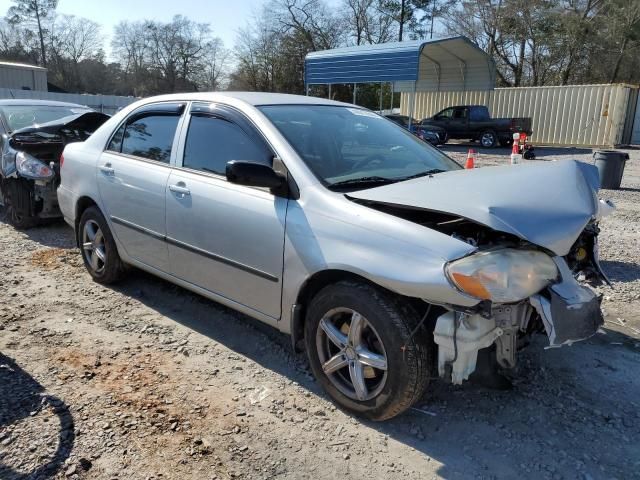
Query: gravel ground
(148,381)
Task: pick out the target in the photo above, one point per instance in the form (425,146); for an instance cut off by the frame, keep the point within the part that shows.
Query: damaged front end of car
(30,165)
(535,232)
(563,307)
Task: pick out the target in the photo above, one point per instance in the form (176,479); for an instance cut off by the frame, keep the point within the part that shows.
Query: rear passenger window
(115,145)
(150,137)
(212,142)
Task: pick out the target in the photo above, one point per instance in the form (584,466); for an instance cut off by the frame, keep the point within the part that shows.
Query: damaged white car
(382,258)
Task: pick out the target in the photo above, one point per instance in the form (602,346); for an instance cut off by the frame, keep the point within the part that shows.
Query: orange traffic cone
(471,159)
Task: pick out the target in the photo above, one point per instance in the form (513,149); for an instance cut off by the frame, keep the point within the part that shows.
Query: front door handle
(107,169)
(180,190)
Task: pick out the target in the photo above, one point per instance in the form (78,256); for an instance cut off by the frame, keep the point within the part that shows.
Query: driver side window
(446,114)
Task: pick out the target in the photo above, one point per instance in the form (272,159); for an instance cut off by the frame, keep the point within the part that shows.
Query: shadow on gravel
(53,233)
(566,403)
(621,271)
(21,397)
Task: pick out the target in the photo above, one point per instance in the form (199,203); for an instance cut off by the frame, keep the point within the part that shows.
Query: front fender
(396,254)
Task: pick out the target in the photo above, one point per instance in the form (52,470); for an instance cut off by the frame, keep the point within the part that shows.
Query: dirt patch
(54,258)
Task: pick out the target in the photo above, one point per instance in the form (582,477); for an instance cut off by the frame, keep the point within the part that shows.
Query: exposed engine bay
(30,165)
(567,310)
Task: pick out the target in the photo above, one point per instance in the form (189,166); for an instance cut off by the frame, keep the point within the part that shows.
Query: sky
(225,16)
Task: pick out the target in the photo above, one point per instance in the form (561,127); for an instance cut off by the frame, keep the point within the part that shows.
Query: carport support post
(355,88)
(381,97)
(329,91)
(413,103)
(392,94)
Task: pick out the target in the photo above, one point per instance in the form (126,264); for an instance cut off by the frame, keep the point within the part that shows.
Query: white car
(381,256)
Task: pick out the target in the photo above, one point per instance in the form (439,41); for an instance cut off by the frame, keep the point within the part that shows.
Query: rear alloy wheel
(488,139)
(360,348)
(99,251)
(93,247)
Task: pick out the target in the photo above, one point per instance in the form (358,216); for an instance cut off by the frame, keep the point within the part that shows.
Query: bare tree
(366,23)
(33,12)
(213,65)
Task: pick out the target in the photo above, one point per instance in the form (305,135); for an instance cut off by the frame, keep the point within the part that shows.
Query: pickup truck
(429,133)
(474,122)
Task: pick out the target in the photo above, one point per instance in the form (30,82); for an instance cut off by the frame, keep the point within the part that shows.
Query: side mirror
(253,174)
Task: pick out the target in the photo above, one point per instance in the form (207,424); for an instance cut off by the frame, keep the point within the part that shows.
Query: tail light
(61,160)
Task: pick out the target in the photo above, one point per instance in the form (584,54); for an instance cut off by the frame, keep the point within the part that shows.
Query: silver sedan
(383,258)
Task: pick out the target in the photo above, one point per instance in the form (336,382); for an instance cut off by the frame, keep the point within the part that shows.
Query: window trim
(148,110)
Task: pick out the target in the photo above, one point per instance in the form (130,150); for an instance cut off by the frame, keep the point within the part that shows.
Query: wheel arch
(317,282)
(82,204)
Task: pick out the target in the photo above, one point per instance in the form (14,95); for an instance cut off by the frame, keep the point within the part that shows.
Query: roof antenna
(12,95)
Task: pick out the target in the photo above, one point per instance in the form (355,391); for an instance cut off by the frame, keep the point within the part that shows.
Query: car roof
(250,98)
(28,102)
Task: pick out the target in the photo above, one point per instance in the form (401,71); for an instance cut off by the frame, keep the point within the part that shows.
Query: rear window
(479,113)
(17,117)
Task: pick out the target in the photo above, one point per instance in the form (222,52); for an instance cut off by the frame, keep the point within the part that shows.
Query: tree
(71,41)
(366,23)
(33,12)
(410,15)
(213,67)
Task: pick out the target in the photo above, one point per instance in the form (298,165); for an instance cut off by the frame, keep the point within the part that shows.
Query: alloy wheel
(351,354)
(93,246)
(487,140)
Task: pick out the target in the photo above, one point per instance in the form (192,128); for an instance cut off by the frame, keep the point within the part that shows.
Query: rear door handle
(180,189)
(107,170)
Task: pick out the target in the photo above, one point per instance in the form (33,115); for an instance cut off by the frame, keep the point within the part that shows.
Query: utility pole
(433,14)
(401,19)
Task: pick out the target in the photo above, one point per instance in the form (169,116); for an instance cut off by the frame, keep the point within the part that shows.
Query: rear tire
(98,248)
(391,367)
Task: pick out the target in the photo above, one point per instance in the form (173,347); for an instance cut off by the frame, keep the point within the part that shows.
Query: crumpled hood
(545,203)
(88,121)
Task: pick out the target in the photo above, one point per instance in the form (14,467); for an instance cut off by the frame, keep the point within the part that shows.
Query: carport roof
(433,64)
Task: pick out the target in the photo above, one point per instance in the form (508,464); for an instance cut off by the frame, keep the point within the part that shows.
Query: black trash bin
(610,164)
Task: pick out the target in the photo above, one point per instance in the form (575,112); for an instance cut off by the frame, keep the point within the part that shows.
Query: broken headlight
(30,167)
(503,276)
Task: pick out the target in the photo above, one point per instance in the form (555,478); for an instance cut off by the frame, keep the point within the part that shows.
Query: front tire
(14,193)
(488,139)
(98,248)
(361,350)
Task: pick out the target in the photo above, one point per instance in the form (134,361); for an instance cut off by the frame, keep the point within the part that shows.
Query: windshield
(352,146)
(22,116)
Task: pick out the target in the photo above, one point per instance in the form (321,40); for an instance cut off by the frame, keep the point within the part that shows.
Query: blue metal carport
(450,64)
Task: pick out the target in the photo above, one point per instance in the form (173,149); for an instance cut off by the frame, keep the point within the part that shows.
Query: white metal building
(23,77)
(580,115)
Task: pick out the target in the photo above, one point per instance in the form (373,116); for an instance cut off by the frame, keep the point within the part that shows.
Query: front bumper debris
(570,312)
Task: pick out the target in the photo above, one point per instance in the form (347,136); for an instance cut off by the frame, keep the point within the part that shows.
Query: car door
(132,178)
(224,237)
(459,123)
(443,119)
